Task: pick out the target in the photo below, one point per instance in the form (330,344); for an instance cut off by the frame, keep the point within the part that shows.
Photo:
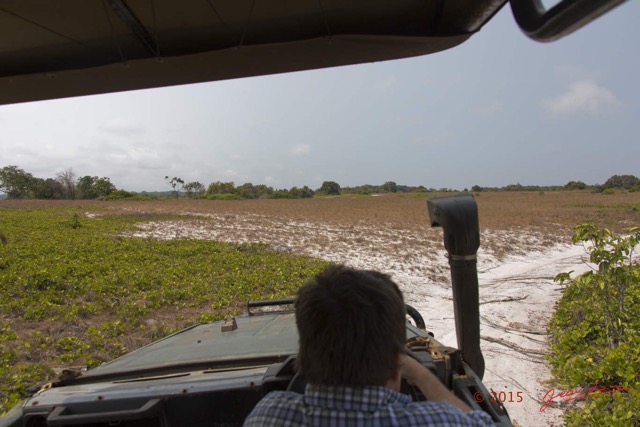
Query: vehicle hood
(257,337)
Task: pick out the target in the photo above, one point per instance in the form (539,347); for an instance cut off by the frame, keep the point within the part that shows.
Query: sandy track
(522,322)
(517,293)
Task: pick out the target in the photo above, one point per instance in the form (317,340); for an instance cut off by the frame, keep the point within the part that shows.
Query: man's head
(352,327)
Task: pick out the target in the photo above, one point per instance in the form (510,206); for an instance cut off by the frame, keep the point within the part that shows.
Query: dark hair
(352,327)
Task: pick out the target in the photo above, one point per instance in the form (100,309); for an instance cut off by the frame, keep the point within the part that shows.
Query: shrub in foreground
(595,331)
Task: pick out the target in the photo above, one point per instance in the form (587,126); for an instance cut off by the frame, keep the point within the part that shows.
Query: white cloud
(583,96)
(490,108)
(139,157)
(121,127)
(301,150)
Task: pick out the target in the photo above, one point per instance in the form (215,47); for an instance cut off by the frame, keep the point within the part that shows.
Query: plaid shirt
(374,406)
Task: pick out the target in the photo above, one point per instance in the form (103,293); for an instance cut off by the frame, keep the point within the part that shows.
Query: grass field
(82,282)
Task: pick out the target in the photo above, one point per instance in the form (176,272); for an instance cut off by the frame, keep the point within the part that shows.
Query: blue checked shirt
(371,406)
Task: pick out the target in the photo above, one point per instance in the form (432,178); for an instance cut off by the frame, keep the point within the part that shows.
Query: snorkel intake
(458,216)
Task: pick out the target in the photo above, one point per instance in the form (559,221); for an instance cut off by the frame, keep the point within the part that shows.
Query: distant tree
(220,187)
(360,189)
(513,187)
(390,187)
(294,193)
(330,187)
(49,189)
(262,191)
(17,183)
(405,188)
(282,194)
(575,185)
(476,189)
(92,187)
(301,193)
(68,180)
(173,182)
(621,181)
(85,187)
(194,188)
(123,194)
(104,186)
(246,191)
(306,192)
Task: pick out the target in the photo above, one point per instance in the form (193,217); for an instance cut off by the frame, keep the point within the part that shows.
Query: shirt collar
(365,398)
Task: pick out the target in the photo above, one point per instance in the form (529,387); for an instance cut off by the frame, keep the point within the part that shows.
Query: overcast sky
(499,109)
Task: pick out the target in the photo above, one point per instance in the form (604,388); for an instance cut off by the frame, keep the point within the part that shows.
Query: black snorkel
(458,216)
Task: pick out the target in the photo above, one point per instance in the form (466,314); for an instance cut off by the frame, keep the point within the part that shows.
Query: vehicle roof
(79,47)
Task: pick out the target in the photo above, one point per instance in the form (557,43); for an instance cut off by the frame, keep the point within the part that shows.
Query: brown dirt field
(556,211)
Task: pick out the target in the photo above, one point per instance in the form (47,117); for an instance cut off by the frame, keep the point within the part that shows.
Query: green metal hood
(257,338)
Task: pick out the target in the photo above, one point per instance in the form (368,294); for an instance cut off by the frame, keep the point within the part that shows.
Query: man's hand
(419,376)
(411,370)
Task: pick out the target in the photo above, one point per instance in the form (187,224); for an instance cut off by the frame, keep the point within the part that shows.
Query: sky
(500,109)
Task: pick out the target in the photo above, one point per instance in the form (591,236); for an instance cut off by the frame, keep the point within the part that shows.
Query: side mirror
(546,25)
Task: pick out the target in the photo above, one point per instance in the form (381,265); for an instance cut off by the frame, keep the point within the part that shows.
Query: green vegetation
(92,187)
(15,183)
(628,182)
(616,182)
(596,331)
(330,188)
(76,290)
(193,189)
(129,195)
(228,191)
(18,184)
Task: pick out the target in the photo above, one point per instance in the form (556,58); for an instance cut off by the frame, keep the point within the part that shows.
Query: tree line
(616,182)
(229,191)
(220,190)
(19,184)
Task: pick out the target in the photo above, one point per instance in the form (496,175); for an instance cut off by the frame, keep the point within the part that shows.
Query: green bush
(595,331)
(64,269)
(223,196)
(129,195)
